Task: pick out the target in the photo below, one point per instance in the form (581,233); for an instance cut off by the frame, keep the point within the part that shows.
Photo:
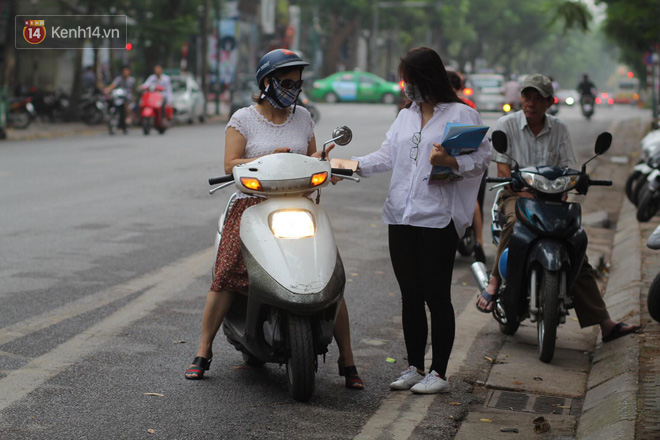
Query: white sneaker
(407,379)
(432,384)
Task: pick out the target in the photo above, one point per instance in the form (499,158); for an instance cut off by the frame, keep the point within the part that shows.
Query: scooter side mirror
(342,135)
(500,142)
(603,143)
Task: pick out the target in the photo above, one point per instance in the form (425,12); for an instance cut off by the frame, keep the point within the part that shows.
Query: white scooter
(296,274)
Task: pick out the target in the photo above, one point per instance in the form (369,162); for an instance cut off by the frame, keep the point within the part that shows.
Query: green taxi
(355,86)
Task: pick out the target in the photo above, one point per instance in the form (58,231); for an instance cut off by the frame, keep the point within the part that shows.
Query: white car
(489,91)
(189,102)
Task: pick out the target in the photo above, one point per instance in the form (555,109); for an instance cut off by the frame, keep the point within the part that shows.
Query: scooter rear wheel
(301,365)
(549,314)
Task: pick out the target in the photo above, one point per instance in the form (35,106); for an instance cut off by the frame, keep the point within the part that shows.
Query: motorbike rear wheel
(549,314)
(648,205)
(466,244)
(301,365)
(653,299)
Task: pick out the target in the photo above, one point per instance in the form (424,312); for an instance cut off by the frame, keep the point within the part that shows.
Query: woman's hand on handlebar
(281,150)
(328,149)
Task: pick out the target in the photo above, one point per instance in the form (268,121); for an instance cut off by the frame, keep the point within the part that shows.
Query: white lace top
(263,136)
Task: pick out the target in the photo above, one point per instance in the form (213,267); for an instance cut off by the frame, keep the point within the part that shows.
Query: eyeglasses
(416,138)
(289,84)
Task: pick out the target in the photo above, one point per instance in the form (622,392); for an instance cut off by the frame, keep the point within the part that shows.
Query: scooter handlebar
(600,182)
(498,179)
(342,171)
(223,179)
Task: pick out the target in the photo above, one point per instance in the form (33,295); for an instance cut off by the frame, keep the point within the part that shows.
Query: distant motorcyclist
(586,87)
(158,78)
(127,83)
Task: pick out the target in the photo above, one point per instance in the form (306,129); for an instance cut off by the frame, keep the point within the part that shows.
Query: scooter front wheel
(653,299)
(549,314)
(648,205)
(301,365)
(146,125)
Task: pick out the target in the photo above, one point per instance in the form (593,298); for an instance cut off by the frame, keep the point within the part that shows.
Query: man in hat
(534,139)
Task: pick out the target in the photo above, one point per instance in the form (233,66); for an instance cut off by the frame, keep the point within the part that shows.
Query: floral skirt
(230,271)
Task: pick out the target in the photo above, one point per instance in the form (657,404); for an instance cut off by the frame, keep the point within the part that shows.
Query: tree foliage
(633,25)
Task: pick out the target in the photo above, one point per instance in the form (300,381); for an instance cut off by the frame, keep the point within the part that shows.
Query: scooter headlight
(543,184)
(292,224)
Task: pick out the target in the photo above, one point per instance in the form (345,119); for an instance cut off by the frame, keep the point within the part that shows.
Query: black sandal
(197,368)
(617,331)
(353,379)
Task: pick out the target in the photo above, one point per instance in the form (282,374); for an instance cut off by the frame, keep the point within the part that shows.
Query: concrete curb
(610,405)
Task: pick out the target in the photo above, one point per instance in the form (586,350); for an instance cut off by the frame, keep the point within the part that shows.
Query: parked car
(489,91)
(189,101)
(355,86)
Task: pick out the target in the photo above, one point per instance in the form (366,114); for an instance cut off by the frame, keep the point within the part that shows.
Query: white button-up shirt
(551,147)
(411,200)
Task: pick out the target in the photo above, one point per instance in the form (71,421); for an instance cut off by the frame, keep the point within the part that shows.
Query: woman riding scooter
(251,133)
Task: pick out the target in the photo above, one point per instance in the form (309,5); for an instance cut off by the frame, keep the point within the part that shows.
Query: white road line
(170,282)
(401,412)
(90,302)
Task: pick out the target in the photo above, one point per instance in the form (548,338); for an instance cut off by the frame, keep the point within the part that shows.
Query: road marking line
(92,302)
(401,412)
(172,280)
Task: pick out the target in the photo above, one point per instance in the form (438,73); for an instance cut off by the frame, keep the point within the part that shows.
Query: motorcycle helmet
(277,59)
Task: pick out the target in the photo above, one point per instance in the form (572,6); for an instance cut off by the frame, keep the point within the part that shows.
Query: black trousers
(423,262)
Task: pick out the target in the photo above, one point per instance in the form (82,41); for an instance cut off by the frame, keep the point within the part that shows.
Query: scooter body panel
(303,265)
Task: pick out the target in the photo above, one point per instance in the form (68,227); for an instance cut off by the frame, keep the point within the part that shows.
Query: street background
(105,264)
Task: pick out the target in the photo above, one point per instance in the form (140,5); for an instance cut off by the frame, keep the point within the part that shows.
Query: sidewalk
(47,130)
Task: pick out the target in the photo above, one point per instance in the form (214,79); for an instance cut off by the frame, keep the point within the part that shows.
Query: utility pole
(204,49)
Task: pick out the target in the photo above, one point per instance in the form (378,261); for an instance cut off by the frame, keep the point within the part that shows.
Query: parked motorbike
(92,108)
(21,112)
(50,107)
(587,105)
(151,110)
(117,110)
(546,249)
(653,298)
(649,193)
(296,273)
(640,177)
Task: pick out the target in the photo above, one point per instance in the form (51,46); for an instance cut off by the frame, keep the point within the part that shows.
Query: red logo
(287,52)
(34,31)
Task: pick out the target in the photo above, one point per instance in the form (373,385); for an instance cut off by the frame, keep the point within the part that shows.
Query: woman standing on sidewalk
(425,221)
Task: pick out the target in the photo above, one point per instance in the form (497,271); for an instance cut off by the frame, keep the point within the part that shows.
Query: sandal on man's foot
(353,380)
(491,300)
(197,368)
(617,331)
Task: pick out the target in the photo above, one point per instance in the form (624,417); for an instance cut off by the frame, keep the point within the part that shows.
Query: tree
(632,24)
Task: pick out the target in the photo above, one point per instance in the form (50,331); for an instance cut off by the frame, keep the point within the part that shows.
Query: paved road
(104,265)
